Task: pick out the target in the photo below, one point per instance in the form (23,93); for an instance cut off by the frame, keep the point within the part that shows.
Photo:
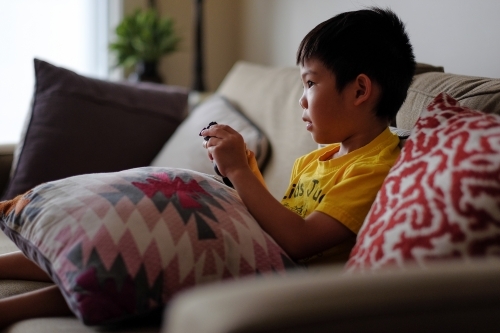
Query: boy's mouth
(308,124)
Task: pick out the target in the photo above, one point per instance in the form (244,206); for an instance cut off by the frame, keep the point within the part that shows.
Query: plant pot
(146,71)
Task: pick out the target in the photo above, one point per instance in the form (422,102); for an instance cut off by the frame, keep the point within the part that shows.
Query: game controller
(206,138)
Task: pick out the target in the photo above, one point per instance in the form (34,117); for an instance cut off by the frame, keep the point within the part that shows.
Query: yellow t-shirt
(344,187)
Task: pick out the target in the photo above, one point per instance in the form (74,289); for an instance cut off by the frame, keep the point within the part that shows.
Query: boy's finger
(218,130)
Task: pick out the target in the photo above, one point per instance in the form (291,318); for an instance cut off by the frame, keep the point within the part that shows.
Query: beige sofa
(445,297)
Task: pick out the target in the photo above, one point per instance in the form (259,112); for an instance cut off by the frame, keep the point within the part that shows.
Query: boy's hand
(226,147)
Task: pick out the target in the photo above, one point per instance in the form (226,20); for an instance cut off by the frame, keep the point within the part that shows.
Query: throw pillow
(441,199)
(83,125)
(119,245)
(185,150)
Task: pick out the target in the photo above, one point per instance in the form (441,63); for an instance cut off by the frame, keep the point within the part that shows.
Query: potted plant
(142,39)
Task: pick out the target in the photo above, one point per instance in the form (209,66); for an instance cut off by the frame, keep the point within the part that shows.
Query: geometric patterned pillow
(441,199)
(120,244)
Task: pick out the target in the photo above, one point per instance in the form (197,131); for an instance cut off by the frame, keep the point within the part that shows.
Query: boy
(356,69)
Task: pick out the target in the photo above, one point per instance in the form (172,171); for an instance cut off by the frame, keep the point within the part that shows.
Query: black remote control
(224,179)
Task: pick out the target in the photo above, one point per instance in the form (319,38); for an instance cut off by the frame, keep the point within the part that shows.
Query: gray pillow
(185,150)
(80,125)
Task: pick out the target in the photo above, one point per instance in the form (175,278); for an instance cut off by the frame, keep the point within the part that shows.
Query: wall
(460,35)
(221,38)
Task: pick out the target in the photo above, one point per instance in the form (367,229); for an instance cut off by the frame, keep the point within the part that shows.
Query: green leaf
(144,35)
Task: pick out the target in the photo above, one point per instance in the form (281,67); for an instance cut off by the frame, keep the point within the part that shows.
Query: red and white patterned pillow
(441,199)
(120,244)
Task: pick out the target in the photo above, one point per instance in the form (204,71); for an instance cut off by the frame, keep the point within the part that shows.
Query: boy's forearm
(252,163)
(269,212)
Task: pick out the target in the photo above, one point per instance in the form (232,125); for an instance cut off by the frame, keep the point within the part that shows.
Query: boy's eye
(310,84)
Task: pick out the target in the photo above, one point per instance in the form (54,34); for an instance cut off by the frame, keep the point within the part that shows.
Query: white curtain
(69,33)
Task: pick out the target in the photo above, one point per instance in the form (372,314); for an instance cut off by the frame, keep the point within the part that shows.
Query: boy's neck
(360,139)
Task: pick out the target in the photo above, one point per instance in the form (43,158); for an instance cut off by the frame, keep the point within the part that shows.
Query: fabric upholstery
(73,325)
(16,287)
(82,125)
(6,245)
(184,149)
(473,92)
(269,96)
(441,199)
(448,297)
(462,298)
(421,68)
(120,245)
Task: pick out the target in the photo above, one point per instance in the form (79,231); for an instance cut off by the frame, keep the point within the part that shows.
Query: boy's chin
(320,141)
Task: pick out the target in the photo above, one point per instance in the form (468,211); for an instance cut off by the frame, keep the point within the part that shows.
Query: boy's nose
(303,102)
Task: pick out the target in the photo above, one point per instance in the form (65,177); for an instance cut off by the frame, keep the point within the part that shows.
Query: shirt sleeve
(350,200)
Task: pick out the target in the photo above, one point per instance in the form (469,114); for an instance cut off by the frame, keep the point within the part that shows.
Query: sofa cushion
(184,149)
(269,97)
(477,93)
(6,245)
(82,125)
(15,287)
(421,68)
(441,200)
(119,245)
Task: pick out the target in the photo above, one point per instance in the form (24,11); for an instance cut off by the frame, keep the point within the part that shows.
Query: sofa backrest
(477,93)
(269,96)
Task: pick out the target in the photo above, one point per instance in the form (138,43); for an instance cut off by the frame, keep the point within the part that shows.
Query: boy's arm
(252,163)
(299,237)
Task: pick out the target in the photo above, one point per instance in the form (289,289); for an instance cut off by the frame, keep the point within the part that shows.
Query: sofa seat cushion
(477,93)
(119,245)
(441,199)
(15,287)
(73,325)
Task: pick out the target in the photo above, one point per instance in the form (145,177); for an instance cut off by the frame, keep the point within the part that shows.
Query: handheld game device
(216,169)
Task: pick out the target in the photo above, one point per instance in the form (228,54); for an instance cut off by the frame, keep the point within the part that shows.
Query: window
(72,34)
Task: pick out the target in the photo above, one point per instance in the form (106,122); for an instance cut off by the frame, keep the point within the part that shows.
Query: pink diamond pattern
(106,232)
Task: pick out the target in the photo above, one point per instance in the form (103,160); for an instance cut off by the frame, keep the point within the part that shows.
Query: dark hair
(373,42)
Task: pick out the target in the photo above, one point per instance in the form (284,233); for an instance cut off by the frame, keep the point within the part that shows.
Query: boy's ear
(364,89)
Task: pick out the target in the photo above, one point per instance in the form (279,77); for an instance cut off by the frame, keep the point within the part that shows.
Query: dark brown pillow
(82,125)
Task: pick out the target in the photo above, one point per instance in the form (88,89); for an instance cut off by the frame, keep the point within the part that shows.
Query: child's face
(326,111)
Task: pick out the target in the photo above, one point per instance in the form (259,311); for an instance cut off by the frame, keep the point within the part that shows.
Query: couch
(448,295)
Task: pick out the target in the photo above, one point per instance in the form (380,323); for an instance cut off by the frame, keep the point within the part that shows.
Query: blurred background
(460,35)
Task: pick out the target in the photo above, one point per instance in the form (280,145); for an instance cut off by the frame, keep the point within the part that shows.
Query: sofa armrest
(6,157)
(449,297)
